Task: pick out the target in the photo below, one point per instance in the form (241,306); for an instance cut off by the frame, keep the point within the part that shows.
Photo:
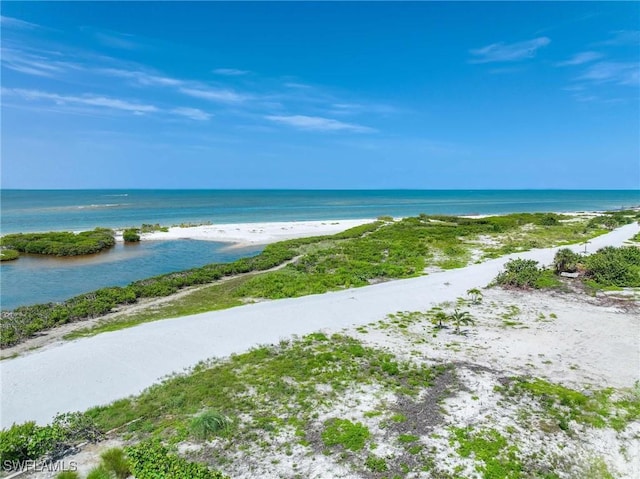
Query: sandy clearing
(245,234)
(97,370)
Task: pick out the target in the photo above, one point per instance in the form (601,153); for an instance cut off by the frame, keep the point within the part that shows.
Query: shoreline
(240,235)
(191,339)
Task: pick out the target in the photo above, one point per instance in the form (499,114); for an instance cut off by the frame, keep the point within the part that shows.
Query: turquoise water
(33,279)
(31,210)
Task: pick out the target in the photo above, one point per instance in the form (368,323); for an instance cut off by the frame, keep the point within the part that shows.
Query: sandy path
(100,369)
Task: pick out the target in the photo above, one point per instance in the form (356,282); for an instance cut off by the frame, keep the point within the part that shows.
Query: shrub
(114,460)
(152,460)
(208,424)
(611,266)
(519,273)
(131,235)
(60,243)
(566,260)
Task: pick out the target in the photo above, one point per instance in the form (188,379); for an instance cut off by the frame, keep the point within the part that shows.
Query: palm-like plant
(440,317)
(461,318)
(476,295)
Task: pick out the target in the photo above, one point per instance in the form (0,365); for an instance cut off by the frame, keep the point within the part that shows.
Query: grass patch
(496,457)
(8,254)
(344,433)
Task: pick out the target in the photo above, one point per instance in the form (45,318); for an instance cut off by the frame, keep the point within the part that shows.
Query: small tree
(476,295)
(461,318)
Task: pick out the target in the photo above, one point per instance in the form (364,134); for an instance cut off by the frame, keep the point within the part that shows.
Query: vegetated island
(67,243)
(506,382)
(374,252)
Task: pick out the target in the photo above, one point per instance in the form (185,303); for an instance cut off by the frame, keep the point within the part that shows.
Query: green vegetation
(370,253)
(498,458)
(597,409)
(152,460)
(131,235)
(475,295)
(460,318)
(60,243)
(148,228)
(525,273)
(566,260)
(115,461)
(99,472)
(345,433)
(68,475)
(29,441)
(8,254)
(208,424)
(614,266)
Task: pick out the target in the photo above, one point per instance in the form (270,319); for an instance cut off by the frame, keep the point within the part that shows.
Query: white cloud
(143,78)
(620,73)
(317,123)
(124,41)
(581,58)
(623,37)
(502,52)
(89,100)
(230,72)
(10,22)
(192,113)
(218,95)
(31,64)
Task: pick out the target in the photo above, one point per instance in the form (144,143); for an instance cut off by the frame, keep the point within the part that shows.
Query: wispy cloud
(623,37)
(33,64)
(620,73)
(508,52)
(102,103)
(87,100)
(123,41)
(10,22)
(192,113)
(230,72)
(580,58)
(317,123)
(142,77)
(214,94)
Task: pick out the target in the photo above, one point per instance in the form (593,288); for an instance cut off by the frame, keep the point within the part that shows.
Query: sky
(327,95)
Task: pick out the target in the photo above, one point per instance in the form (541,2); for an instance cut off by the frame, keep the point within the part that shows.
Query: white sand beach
(256,233)
(76,375)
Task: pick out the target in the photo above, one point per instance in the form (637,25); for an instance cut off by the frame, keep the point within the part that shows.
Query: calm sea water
(33,279)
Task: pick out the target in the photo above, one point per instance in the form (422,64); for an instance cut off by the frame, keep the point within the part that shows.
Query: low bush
(520,273)
(614,266)
(70,475)
(152,460)
(131,235)
(62,243)
(28,441)
(345,433)
(8,254)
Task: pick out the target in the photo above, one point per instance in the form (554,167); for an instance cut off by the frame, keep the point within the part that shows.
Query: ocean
(33,279)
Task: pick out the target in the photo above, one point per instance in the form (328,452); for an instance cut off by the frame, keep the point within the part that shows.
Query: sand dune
(87,372)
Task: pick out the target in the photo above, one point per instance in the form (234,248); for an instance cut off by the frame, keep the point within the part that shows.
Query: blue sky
(320,95)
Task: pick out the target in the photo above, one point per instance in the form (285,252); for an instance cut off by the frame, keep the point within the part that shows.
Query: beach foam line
(87,372)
